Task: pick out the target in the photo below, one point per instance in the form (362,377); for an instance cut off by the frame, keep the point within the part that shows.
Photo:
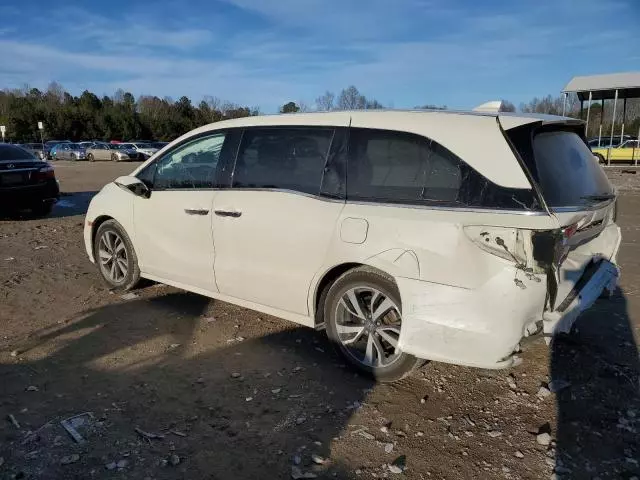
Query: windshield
(567,171)
(11,152)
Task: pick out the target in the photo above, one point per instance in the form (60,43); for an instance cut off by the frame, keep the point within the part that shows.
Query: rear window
(567,171)
(10,152)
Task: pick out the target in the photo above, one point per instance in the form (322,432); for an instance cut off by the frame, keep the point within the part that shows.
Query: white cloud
(398,52)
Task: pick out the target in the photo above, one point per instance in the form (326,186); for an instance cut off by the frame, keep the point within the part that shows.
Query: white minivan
(407,235)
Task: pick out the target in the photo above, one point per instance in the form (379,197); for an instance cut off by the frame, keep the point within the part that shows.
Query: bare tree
(303,106)
(507,106)
(351,99)
(325,102)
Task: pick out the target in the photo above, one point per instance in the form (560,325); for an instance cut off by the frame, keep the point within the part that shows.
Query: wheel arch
(327,279)
(94,229)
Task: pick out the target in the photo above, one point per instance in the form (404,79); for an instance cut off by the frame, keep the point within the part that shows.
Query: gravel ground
(174,385)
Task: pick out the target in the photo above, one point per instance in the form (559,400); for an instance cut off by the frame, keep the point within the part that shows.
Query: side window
(285,158)
(191,165)
(400,167)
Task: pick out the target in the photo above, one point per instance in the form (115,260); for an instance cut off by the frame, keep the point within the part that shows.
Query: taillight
(45,173)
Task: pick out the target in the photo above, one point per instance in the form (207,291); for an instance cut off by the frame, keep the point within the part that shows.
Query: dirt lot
(233,394)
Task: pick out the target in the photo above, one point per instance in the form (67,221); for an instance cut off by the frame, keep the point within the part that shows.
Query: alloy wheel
(368,325)
(112,255)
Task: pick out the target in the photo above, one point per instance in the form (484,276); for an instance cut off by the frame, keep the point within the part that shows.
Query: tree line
(116,117)
(123,117)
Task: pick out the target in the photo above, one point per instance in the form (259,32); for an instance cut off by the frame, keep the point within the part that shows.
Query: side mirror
(133,185)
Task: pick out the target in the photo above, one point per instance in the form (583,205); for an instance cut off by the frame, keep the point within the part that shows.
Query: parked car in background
(68,151)
(391,230)
(627,152)
(26,182)
(37,149)
(49,144)
(160,145)
(603,142)
(124,152)
(145,150)
(99,152)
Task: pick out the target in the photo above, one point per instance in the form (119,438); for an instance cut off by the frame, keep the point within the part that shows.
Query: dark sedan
(26,182)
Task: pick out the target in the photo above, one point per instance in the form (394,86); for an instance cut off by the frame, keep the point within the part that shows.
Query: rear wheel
(90,157)
(73,157)
(601,159)
(114,157)
(364,320)
(115,256)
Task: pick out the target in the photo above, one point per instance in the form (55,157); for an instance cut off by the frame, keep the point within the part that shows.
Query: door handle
(227,213)
(196,211)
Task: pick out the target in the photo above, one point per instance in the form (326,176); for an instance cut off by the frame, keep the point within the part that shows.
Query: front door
(272,229)
(173,225)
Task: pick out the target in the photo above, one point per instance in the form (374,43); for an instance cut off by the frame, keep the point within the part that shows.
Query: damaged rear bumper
(473,327)
(601,274)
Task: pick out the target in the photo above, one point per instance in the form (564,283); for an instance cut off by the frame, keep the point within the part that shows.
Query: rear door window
(399,167)
(283,158)
(567,171)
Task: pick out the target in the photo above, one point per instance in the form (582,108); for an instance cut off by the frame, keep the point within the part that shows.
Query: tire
(601,159)
(90,157)
(106,240)
(385,362)
(73,157)
(42,209)
(114,157)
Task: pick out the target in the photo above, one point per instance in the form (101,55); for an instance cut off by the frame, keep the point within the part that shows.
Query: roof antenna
(489,107)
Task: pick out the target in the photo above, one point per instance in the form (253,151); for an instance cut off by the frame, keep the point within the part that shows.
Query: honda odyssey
(407,236)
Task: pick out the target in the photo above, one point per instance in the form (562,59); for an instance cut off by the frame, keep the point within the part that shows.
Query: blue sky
(266,52)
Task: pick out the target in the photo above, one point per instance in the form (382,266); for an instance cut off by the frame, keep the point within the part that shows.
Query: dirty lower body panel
(475,327)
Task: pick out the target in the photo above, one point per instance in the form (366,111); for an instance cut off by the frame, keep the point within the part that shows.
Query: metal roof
(605,86)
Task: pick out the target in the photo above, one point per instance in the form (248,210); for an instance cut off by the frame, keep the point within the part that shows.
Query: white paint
(460,303)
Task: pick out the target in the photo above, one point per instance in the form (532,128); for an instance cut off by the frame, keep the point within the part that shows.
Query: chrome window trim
(530,213)
(583,208)
(285,190)
(398,205)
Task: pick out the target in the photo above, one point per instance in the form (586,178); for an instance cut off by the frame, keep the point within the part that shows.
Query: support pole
(599,135)
(601,117)
(624,118)
(581,108)
(613,124)
(638,144)
(564,104)
(586,130)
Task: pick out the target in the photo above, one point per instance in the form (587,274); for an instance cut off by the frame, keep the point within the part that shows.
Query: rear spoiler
(514,120)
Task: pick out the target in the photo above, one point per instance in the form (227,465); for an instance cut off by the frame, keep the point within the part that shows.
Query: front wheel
(90,157)
(115,256)
(364,320)
(114,157)
(600,158)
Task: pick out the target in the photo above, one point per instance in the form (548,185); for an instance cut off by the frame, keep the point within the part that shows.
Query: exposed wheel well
(323,287)
(94,228)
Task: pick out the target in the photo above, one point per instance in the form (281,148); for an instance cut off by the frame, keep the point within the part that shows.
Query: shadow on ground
(596,371)
(248,408)
(69,205)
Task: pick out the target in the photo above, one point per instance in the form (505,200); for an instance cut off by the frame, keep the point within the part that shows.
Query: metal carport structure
(611,86)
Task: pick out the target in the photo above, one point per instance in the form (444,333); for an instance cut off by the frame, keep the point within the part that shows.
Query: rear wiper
(599,198)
